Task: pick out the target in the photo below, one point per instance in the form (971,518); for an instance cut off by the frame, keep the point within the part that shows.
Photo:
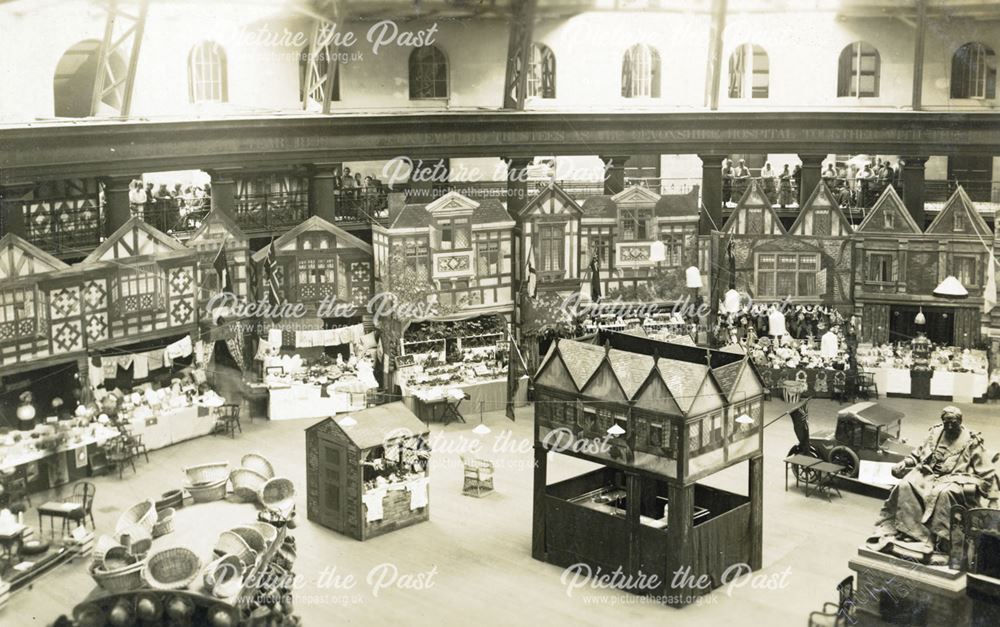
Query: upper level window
(859,71)
(636,224)
(428,74)
(542,72)
(786,274)
(748,72)
(76,73)
(455,234)
(137,289)
(317,271)
(551,245)
(207,81)
(18,314)
(325,60)
(974,72)
(641,72)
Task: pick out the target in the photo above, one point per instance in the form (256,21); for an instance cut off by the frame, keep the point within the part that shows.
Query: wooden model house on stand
(657,417)
(369,474)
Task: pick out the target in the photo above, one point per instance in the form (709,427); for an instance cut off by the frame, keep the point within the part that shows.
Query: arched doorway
(73,83)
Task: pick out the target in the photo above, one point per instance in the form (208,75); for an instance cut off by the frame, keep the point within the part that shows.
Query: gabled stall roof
(543,202)
(889,201)
(136,238)
(19,259)
(314,223)
(821,198)
(419,216)
(377,424)
(739,221)
(944,223)
(213,222)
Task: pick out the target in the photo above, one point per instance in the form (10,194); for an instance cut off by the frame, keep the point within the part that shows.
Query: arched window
(974,72)
(641,72)
(542,72)
(73,83)
(858,71)
(323,59)
(207,81)
(428,74)
(748,72)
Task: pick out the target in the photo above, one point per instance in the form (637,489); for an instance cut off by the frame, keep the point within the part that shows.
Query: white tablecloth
(301,400)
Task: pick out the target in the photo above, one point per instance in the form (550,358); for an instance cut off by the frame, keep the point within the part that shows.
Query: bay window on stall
(137,289)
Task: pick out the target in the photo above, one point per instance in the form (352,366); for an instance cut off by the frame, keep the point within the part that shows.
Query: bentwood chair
(866,386)
(119,454)
(839,614)
(75,508)
(134,443)
(228,420)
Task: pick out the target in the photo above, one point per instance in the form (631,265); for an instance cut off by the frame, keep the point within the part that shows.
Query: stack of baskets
(207,482)
(278,495)
(134,528)
(164,522)
(248,480)
(114,568)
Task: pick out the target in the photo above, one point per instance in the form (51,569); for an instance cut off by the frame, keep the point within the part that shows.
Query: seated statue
(950,468)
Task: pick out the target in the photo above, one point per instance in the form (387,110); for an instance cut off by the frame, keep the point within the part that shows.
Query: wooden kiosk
(658,417)
(368,474)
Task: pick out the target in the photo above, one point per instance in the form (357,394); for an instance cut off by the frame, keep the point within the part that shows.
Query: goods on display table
(670,323)
(959,374)
(376,466)
(325,387)
(55,452)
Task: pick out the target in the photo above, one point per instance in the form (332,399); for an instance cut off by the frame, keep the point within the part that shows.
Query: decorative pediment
(552,201)
(889,215)
(452,203)
(636,195)
(315,231)
(754,215)
(20,258)
(821,216)
(960,217)
(135,238)
(217,227)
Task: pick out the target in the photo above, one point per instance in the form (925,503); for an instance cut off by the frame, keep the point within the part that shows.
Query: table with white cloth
(291,401)
(961,387)
(486,396)
(170,426)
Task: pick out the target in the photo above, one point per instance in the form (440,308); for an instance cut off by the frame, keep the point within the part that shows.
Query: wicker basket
(120,580)
(171,569)
(247,483)
(206,492)
(222,575)
(252,537)
(267,531)
(137,521)
(171,498)
(164,522)
(207,473)
(278,494)
(233,544)
(258,464)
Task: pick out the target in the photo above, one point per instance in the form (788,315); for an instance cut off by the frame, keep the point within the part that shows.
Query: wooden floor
(479,549)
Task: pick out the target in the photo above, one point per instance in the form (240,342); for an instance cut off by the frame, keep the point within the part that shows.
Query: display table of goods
(299,390)
(959,374)
(165,420)
(18,448)
(220,555)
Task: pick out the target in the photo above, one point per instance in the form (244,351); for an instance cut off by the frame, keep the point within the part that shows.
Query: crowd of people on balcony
(357,193)
(854,185)
(170,208)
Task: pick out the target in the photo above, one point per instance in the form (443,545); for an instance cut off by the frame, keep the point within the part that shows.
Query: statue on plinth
(950,468)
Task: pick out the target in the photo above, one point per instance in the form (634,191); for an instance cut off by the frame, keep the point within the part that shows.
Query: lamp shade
(693,277)
(657,252)
(920,318)
(776,324)
(732,301)
(347,421)
(481,429)
(744,419)
(616,430)
(26,412)
(951,288)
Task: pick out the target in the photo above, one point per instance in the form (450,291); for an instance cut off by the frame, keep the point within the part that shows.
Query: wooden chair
(228,420)
(134,442)
(866,386)
(839,614)
(478,476)
(75,508)
(119,454)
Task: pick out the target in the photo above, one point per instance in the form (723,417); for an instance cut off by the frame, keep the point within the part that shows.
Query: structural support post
(517,198)
(811,165)
(12,218)
(322,65)
(711,193)
(756,492)
(713,70)
(122,39)
(224,192)
(322,191)
(538,505)
(918,55)
(522,26)
(614,174)
(912,179)
(116,202)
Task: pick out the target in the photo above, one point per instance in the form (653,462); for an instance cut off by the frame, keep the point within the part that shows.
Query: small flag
(222,270)
(271,275)
(595,278)
(990,290)
(530,275)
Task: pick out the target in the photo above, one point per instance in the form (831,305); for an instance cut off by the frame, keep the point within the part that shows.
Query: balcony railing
(978,191)
(58,227)
(362,207)
(179,217)
(267,212)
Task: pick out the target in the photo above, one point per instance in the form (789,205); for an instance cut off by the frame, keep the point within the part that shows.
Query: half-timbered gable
(551,232)
(753,215)
(216,230)
(821,216)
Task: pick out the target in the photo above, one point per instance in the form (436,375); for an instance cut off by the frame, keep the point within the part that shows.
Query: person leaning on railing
(137,198)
